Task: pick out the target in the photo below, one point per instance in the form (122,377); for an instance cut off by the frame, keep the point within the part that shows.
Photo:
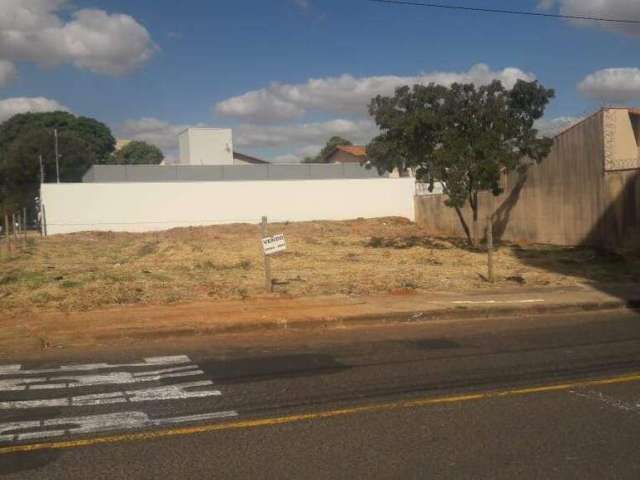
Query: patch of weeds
(126,296)
(172,297)
(429,261)
(116,278)
(608,257)
(149,248)
(243,293)
(41,298)
(161,277)
(376,242)
(9,278)
(519,279)
(312,241)
(410,284)
(208,265)
(34,279)
(404,242)
(70,284)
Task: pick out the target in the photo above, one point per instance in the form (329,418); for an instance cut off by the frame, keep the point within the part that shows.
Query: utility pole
(41,170)
(55,135)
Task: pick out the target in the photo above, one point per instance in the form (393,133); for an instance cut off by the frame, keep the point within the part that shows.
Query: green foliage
(463,136)
(138,153)
(24,137)
(332,143)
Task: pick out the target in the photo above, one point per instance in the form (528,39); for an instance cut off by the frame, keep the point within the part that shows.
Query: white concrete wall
(206,146)
(140,207)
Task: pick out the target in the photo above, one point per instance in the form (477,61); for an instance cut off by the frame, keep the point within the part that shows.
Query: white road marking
(17,431)
(165,392)
(529,300)
(75,381)
(16,369)
(609,401)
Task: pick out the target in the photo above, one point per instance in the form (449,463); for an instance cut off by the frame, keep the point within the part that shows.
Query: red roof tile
(357,150)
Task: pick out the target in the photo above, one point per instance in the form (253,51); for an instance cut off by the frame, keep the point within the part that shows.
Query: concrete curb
(418,316)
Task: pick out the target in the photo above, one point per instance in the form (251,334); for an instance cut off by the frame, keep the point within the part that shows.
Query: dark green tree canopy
(25,137)
(138,153)
(464,137)
(95,133)
(332,143)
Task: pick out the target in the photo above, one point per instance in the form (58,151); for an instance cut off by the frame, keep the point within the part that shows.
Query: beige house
(586,192)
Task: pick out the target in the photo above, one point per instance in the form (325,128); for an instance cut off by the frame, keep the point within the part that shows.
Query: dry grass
(96,269)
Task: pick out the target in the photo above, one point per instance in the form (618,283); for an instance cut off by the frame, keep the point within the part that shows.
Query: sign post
(268,283)
(270,245)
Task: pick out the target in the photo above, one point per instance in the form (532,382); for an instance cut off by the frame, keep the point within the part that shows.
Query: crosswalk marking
(70,381)
(14,369)
(166,392)
(57,427)
(117,384)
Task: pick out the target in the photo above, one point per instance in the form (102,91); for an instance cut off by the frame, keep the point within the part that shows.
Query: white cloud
(303,135)
(612,85)
(303,4)
(346,94)
(259,106)
(299,155)
(12,106)
(303,139)
(549,127)
(92,39)
(8,73)
(614,9)
(287,158)
(163,135)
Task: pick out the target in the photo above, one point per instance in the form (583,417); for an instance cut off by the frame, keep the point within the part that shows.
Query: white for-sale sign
(274,244)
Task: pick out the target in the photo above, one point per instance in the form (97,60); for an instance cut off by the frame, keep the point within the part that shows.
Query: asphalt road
(541,397)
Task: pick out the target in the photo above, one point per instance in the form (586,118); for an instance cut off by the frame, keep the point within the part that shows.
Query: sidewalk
(35,332)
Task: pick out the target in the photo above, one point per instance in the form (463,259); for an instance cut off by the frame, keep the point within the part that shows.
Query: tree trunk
(465,227)
(476,226)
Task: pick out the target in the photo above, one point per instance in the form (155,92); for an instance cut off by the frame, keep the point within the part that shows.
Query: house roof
(356,150)
(248,159)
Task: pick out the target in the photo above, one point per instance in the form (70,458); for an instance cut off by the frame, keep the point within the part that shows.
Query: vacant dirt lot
(92,270)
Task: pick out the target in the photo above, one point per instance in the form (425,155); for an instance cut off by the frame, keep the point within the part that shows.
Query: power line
(502,11)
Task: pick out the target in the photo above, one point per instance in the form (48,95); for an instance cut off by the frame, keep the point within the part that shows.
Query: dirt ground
(87,271)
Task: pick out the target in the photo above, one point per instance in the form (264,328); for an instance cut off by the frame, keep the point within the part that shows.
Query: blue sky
(150,68)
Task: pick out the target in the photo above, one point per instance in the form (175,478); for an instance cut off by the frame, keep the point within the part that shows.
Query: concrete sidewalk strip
(274,313)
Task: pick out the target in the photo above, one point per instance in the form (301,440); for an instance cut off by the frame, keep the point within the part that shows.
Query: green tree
(464,137)
(138,153)
(25,137)
(332,143)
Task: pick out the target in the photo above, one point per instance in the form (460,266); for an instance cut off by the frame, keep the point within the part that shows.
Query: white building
(211,146)
(206,146)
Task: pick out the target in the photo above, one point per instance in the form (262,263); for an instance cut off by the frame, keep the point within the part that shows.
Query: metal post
(13,226)
(44,221)
(41,170)
(490,248)
(24,224)
(6,231)
(268,283)
(55,134)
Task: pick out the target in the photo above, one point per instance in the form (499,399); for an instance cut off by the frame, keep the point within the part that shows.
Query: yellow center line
(264,422)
